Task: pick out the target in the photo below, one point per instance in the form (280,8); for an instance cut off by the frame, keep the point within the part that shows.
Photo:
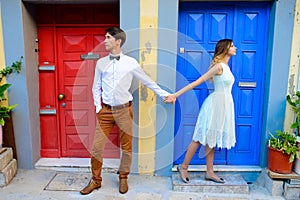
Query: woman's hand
(170,98)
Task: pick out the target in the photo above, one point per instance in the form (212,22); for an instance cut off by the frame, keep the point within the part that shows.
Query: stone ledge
(5,157)
(275,187)
(275,175)
(290,183)
(291,192)
(8,173)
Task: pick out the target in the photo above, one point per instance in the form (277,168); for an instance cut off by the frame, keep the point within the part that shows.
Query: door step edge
(222,168)
(75,164)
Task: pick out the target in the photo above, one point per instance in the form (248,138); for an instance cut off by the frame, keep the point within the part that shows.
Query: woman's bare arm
(213,71)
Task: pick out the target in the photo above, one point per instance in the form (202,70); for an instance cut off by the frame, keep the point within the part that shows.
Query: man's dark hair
(117,33)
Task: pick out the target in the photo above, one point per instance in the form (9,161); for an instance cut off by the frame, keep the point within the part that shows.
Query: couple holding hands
(215,126)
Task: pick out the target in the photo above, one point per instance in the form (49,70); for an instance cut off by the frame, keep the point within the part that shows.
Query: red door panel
(47,93)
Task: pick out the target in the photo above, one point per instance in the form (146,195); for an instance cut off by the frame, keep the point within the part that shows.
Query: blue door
(201,25)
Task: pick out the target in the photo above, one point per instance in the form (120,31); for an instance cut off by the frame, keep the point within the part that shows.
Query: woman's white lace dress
(215,125)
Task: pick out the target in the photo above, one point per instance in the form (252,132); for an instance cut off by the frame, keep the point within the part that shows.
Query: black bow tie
(114,57)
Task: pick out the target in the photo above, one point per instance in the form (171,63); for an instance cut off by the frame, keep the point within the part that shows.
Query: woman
(215,125)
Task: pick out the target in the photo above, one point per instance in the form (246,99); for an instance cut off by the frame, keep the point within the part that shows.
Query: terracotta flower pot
(279,162)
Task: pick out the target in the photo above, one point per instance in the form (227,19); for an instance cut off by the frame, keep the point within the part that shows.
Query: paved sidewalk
(40,184)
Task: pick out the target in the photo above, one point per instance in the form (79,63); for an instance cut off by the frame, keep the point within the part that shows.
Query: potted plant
(283,150)
(294,102)
(5,109)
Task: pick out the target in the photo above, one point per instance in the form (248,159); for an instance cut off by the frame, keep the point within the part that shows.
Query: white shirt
(113,78)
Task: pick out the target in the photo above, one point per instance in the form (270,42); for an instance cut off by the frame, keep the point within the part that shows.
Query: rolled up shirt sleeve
(139,73)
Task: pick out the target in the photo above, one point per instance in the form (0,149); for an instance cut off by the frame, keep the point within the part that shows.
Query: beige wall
(294,68)
(31,62)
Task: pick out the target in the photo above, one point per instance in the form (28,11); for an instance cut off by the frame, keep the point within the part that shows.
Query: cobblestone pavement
(53,185)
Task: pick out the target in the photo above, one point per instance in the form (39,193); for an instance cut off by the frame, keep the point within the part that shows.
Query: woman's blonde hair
(221,50)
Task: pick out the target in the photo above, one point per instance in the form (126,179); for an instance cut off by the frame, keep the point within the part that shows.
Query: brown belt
(118,106)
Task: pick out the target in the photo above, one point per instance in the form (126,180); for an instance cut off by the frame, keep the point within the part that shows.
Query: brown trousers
(107,119)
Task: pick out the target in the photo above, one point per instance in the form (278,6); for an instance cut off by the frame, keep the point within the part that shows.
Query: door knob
(181,50)
(61,96)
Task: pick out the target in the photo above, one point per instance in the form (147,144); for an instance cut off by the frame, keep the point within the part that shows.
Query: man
(112,81)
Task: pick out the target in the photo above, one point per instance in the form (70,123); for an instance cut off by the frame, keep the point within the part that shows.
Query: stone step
(223,168)
(5,157)
(8,173)
(291,191)
(234,184)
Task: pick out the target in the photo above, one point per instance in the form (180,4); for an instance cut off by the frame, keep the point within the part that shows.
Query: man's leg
(103,129)
(124,122)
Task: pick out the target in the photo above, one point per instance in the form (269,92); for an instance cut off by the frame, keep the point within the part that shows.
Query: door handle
(247,84)
(61,96)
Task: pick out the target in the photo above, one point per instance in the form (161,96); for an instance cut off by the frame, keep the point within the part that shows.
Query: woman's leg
(188,157)
(210,152)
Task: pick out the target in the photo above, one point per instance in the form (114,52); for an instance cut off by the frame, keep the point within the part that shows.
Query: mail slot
(247,84)
(47,68)
(48,111)
(90,56)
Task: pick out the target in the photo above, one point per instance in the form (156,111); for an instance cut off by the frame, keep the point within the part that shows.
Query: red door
(78,50)
(68,46)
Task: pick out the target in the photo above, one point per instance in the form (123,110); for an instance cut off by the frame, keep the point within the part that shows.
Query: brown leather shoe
(90,187)
(123,188)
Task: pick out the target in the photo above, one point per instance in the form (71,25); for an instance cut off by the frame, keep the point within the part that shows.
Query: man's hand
(170,99)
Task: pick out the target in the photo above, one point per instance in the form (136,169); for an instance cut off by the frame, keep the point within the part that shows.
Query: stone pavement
(40,184)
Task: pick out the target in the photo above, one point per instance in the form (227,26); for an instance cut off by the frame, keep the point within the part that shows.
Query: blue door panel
(249,67)
(198,40)
(201,25)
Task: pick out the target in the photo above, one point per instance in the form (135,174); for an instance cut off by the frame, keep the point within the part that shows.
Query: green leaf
(2,122)
(292,157)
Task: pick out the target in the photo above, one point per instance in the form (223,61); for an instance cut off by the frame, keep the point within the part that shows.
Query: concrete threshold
(222,168)
(75,164)
(83,165)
